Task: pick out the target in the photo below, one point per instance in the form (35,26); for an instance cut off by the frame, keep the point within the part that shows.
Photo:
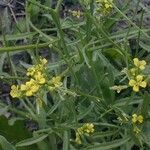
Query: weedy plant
(86,80)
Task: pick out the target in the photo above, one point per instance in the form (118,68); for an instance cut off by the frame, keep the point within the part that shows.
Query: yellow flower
(55,82)
(105,5)
(30,87)
(88,128)
(39,77)
(136,130)
(32,71)
(78,138)
(139,64)
(43,61)
(76,13)
(133,71)
(134,118)
(140,119)
(137,119)
(138,82)
(15,91)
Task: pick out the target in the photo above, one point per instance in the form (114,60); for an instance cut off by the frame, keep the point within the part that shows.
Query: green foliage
(93,54)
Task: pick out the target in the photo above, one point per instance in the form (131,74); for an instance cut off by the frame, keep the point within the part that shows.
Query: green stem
(58,5)
(139,34)
(40,32)
(23,47)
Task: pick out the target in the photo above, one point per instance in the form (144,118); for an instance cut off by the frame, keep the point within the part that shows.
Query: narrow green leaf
(31,141)
(145,46)
(146,104)
(2,58)
(108,145)
(66,140)
(86,112)
(53,108)
(104,134)
(5,144)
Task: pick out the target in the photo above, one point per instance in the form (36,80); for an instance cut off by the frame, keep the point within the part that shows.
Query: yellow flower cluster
(54,83)
(137,80)
(36,69)
(105,5)
(76,13)
(139,64)
(15,91)
(38,79)
(137,119)
(85,129)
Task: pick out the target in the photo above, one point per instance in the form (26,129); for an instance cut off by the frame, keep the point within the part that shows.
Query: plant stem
(24,47)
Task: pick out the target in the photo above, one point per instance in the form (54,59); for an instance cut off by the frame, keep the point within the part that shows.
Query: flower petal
(139,78)
(143,62)
(136,88)
(140,119)
(143,84)
(132,82)
(136,62)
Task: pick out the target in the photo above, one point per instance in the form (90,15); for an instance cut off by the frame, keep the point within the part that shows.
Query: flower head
(55,82)
(137,82)
(137,118)
(76,13)
(105,5)
(43,61)
(32,71)
(39,77)
(86,128)
(136,130)
(30,87)
(15,91)
(78,138)
(133,71)
(139,64)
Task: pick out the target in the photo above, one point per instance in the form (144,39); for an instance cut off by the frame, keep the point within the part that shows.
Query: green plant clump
(81,79)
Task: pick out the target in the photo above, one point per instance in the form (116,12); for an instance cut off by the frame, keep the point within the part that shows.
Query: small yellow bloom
(137,119)
(39,77)
(134,118)
(76,13)
(140,119)
(32,71)
(138,82)
(86,128)
(78,138)
(30,88)
(139,64)
(55,82)
(15,91)
(136,130)
(43,61)
(105,5)
(133,71)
